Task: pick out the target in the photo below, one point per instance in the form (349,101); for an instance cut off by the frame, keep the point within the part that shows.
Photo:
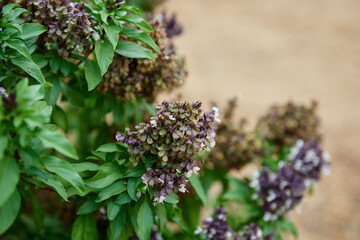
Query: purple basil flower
(279,192)
(310,161)
(216,227)
(254,232)
(70,27)
(176,134)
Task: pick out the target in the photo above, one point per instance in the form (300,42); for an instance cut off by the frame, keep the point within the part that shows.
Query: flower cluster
(128,78)
(310,161)
(235,147)
(254,232)
(284,125)
(174,136)
(216,227)
(164,182)
(69,26)
(280,192)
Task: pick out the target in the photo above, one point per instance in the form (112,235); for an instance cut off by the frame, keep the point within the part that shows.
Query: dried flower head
(128,78)
(235,147)
(310,161)
(279,192)
(175,135)
(69,26)
(254,232)
(284,125)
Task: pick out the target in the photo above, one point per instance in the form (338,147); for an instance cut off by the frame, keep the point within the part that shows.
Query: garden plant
(89,151)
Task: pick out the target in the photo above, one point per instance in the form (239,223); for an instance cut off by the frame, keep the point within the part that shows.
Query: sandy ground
(273,51)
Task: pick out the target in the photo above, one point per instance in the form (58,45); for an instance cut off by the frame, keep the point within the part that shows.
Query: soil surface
(279,50)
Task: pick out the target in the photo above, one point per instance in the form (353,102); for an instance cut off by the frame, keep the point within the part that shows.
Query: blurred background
(279,50)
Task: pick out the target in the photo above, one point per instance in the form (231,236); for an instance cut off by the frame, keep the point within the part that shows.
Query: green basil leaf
(132,188)
(52,93)
(117,225)
(29,67)
(104,15)
(65,67)
(40,59)
(131,9)
(137,171)
(55,64)
(86,166)
(111,147)
(9,177)
(84,228)
(88,207)
(123,198)
(55,139)
(32,30)
(133,50)
(3,145)
(104,53)
(160,210)
(15,13)
(43,110)
(172,198)
(144,221)
(112,32)
(138,21)
(239,191)
(112,210)
(114,189)
(64,170)
(7,8)
(108,173)
(194,181)
(141,36)
(92,74)
(53,182)
(19,46)
(9,211)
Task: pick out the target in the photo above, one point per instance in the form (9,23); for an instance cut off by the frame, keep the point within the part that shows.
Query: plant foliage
(85,155)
